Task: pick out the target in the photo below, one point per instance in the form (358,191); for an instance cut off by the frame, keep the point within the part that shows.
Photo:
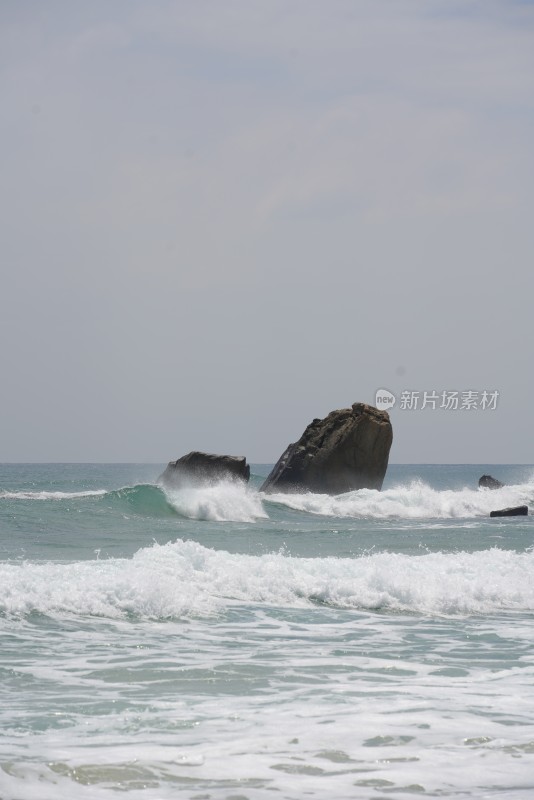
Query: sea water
(219,643)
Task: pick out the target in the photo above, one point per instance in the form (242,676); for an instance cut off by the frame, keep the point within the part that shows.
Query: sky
(220,220)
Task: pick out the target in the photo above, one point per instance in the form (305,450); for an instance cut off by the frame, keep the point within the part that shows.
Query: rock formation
(348,449)
(514,511)
(487,482)
(197,469)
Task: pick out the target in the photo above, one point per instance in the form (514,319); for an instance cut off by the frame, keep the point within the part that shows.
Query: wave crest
(49,495)
(186,579)
(417,500)
(229,501)
(226,501)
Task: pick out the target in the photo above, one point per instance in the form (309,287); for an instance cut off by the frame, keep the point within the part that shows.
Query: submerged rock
(197,469)
(514,511)
(487,482)
(348,449)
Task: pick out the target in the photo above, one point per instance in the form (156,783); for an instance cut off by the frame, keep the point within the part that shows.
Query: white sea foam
(186,579)
(414,501)
(229,501)
(226,501)
(46,495)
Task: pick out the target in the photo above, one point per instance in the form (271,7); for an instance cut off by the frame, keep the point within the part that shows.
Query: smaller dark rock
(487,482)
(199,469)
(514,511)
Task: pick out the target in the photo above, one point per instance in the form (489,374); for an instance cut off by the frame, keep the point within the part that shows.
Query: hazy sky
(223,219)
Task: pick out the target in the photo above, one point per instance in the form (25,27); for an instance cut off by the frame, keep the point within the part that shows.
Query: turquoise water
(217,643)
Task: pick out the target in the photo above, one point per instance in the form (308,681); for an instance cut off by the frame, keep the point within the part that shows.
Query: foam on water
(186,579)
(223,502)
(415,501)
(47,495)
(228,501)
(184,671)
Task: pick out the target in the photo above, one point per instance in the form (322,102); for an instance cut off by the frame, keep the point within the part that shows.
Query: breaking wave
(222,502)
(229,501)
(225,501)
(184,578)
(47,495)
(417,500)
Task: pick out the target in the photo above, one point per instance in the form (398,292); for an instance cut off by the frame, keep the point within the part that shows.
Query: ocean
(220,644)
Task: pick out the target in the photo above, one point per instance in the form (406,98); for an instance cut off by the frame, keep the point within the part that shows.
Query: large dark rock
(198,469)
(348,449)
(514,511)
(487,482)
